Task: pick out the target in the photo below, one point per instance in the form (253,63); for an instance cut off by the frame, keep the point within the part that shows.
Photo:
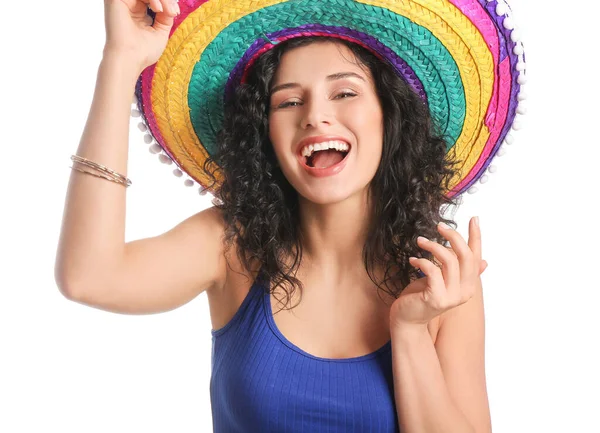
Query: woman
(327,167)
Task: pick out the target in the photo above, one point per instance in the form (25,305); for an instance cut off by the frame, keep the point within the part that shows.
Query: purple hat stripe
(397,62)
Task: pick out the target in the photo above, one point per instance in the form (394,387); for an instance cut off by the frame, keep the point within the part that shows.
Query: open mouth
(325,158)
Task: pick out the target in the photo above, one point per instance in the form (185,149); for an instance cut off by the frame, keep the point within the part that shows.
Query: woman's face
(314,103)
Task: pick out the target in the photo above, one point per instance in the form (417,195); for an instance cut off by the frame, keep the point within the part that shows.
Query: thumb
(484,266)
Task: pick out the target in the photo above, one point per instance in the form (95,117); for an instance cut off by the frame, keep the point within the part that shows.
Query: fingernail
(477,221)
(423,239)
(443,225)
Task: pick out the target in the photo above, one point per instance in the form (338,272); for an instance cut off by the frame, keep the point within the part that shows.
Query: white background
(71,368)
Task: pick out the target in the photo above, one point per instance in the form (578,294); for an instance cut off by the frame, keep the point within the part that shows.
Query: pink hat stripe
(493,120)
(505,91)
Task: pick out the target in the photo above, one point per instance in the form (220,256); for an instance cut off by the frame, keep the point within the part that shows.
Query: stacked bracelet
(105,172)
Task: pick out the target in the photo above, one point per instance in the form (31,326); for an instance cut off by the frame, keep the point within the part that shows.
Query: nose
(315,114)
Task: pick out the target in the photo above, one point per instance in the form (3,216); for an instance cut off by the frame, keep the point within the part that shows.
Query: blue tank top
(261,382)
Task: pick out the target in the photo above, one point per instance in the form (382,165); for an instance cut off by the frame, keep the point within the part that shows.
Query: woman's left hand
(441,289)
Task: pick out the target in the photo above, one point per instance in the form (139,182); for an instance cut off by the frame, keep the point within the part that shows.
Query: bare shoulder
(197,243)
(231,269)
(210,227)
(163,272)
(233,282)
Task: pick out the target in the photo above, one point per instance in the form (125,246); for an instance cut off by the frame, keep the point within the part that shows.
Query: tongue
(327,158)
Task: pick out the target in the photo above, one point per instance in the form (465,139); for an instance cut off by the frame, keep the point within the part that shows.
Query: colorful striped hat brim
(462,57)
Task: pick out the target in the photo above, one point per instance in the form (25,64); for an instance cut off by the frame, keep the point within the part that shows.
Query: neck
(333,236)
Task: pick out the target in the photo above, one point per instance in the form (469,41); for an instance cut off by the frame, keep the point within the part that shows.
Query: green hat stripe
(441,80)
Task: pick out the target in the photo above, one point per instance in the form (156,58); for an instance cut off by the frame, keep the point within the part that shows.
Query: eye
(346,94)
(288,104)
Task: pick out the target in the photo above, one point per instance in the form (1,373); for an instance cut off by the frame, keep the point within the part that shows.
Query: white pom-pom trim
(165,159)
(155,148)
(515,36)
(501,8)
(518,49)
(508,140)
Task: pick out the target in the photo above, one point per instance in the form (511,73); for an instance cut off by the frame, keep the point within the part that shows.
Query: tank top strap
(250,305)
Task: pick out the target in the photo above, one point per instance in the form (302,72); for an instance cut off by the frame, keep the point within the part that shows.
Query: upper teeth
(309,149)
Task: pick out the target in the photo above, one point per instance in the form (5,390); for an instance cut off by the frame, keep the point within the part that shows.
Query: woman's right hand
(129,29)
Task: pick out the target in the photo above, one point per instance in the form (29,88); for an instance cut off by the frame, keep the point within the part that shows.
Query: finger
(475,238)
(164,20)
(170,6)
(452,251)
(459,245)
(435,279)
(431,271)
(156,6)
(483,266)
(441,253)
(135,5)
(450,264)
(465,257)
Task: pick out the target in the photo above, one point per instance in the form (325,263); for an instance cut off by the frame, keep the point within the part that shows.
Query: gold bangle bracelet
(101,168)
(101,176)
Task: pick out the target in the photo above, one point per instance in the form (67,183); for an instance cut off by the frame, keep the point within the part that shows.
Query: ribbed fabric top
(261,382)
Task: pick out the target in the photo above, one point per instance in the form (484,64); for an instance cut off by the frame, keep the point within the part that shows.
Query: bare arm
(94,265)
(161,273)
(92,238)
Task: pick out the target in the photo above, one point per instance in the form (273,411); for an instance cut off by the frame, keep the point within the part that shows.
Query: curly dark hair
(260,207)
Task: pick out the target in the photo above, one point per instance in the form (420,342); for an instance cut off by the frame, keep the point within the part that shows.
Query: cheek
(365,114)
(279,135)
(366,122)
(275,131)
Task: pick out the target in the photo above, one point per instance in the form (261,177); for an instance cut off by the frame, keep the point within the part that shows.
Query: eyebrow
(332,77)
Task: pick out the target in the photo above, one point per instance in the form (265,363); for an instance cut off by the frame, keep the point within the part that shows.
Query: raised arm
(94,265)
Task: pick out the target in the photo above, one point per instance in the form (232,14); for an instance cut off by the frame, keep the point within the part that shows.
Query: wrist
(122,59)
(409,331)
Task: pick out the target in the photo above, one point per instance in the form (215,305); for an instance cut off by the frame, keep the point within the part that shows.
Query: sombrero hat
(463,58)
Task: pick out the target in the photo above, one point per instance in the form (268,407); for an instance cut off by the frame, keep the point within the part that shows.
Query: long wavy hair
(260,207)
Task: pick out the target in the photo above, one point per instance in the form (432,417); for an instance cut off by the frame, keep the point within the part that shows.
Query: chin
(332,189)
(331,194)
